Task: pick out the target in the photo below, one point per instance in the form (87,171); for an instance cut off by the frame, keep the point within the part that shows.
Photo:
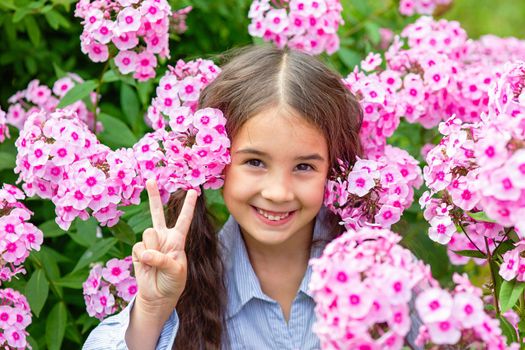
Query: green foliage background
(40,40)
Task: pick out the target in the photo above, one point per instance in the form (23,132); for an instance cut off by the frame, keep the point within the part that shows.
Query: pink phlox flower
(441,229)
(444,332)
(434,305)
(468,309)
(371,62)
(115,271)
(360,182)
(127,289)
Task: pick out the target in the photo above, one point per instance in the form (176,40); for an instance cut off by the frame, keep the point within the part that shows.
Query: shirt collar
(241,281)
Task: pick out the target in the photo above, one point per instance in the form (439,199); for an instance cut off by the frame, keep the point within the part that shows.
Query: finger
(155,206)
(157,259)
(150,239)
(136,253)
(182,226)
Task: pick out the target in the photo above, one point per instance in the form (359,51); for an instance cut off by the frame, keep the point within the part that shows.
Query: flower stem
(97,93)
(522,317)
(493,275)
(471,241)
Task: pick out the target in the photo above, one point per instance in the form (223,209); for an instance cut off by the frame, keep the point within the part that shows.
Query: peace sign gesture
(160,260)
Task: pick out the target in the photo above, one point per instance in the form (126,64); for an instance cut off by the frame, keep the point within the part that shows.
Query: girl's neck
(280,269)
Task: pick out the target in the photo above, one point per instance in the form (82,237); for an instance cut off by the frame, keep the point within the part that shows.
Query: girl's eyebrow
(250,151)
(309,157)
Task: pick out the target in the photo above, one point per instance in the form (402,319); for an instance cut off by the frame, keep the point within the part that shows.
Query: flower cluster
(429,69)
(458,318)
(18,237)
(376,93)
(480,167)
(305,25)
(363,284)
(136,29)
(15,316)
(60,159)
(439,73)
(4,129)
(374,191)
(180,86)
(38,97)
(193,153)
(422,7)
(108,289)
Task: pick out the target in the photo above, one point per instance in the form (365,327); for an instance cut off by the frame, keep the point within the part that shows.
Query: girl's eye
(304,167)
(254,162)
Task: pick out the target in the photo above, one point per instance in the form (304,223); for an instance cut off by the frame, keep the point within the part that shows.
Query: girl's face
(274,186)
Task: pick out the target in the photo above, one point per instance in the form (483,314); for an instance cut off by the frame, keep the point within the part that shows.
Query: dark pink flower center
(91,181)
(341,277)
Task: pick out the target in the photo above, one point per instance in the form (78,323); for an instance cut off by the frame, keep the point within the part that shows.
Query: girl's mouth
(273,217)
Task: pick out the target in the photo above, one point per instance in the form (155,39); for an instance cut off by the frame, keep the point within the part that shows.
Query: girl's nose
(277,189)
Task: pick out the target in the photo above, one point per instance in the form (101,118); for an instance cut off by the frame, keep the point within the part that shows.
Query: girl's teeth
(272,217)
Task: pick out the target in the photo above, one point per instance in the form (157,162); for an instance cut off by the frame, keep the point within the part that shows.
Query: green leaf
(37,290)
(78,92)
(32,342)
(87,322)
(372,29)
(508,330)
(130,104)
(7,160)
(509,294)
(56,326)
(480,216)
(20,13)
(503,248)
(86,234)
(46,259)
(55,19)
(95,252)
(123,232)
(362,7)
(110,76)
(349,57)
(51,229)
(59,71)
(73,280)
(145,90)
(72,332)
(33,31)
(7,5)
(116,133)
(140,221)
(471,253)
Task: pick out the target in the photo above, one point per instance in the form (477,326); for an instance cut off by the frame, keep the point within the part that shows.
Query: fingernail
(146,256)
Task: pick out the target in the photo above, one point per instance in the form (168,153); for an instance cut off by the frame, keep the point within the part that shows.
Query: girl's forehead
(277,130)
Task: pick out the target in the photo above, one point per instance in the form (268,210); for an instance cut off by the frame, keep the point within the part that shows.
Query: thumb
(156,259)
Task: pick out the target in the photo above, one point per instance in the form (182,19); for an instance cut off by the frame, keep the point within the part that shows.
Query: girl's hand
(160,260)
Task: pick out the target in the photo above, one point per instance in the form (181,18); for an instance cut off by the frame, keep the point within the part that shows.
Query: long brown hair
(255,79)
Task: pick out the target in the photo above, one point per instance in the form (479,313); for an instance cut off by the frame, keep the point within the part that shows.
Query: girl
(290,119)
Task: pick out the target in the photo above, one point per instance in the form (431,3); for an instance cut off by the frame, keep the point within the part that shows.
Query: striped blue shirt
(254,320)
